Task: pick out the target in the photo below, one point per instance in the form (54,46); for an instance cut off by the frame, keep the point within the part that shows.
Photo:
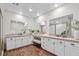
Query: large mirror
(17,27)
(61,26)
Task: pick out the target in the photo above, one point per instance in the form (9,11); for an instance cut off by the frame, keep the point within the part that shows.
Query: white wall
(8,16)
(62,11)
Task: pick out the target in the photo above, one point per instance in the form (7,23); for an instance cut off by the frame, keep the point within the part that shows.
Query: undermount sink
(36,37)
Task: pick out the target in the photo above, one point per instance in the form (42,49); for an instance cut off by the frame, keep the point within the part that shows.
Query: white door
(59,47)
(71,49)
(10,43)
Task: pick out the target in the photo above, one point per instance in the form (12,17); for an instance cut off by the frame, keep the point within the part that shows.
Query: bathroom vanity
(60,46)
(16,41)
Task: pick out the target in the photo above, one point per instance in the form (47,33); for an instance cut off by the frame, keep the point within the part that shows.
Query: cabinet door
(59,47)
(44,43)
(71,49)
(24,41)
(18,42)
(52,45)
(48,44)
(10,43)
(27,40)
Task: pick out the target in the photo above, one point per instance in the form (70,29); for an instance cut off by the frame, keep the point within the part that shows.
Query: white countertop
(44,35)
(58,38)
(16,35)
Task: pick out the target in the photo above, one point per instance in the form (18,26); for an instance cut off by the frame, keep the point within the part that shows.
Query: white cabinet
(59,47)
(71,49)
(10,43)
(17,42)
(48,44)
(52,45)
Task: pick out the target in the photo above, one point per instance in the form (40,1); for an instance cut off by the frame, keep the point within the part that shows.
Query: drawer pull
(61,42)
(72,44)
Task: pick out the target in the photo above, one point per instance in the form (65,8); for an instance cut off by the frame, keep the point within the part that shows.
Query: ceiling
(23,8)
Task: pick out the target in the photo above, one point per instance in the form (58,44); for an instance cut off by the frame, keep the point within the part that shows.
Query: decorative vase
(76,34)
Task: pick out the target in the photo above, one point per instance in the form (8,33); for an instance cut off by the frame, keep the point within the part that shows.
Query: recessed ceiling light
(56,5)
(20,13)
(30,9)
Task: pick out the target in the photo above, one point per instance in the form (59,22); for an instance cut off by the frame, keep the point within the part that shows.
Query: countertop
(16,35)
(58,38)
(46,36)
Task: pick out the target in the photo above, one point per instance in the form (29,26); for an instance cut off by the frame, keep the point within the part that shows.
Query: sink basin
(36,37)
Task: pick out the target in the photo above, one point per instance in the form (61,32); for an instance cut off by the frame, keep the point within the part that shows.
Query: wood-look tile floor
(28,51)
